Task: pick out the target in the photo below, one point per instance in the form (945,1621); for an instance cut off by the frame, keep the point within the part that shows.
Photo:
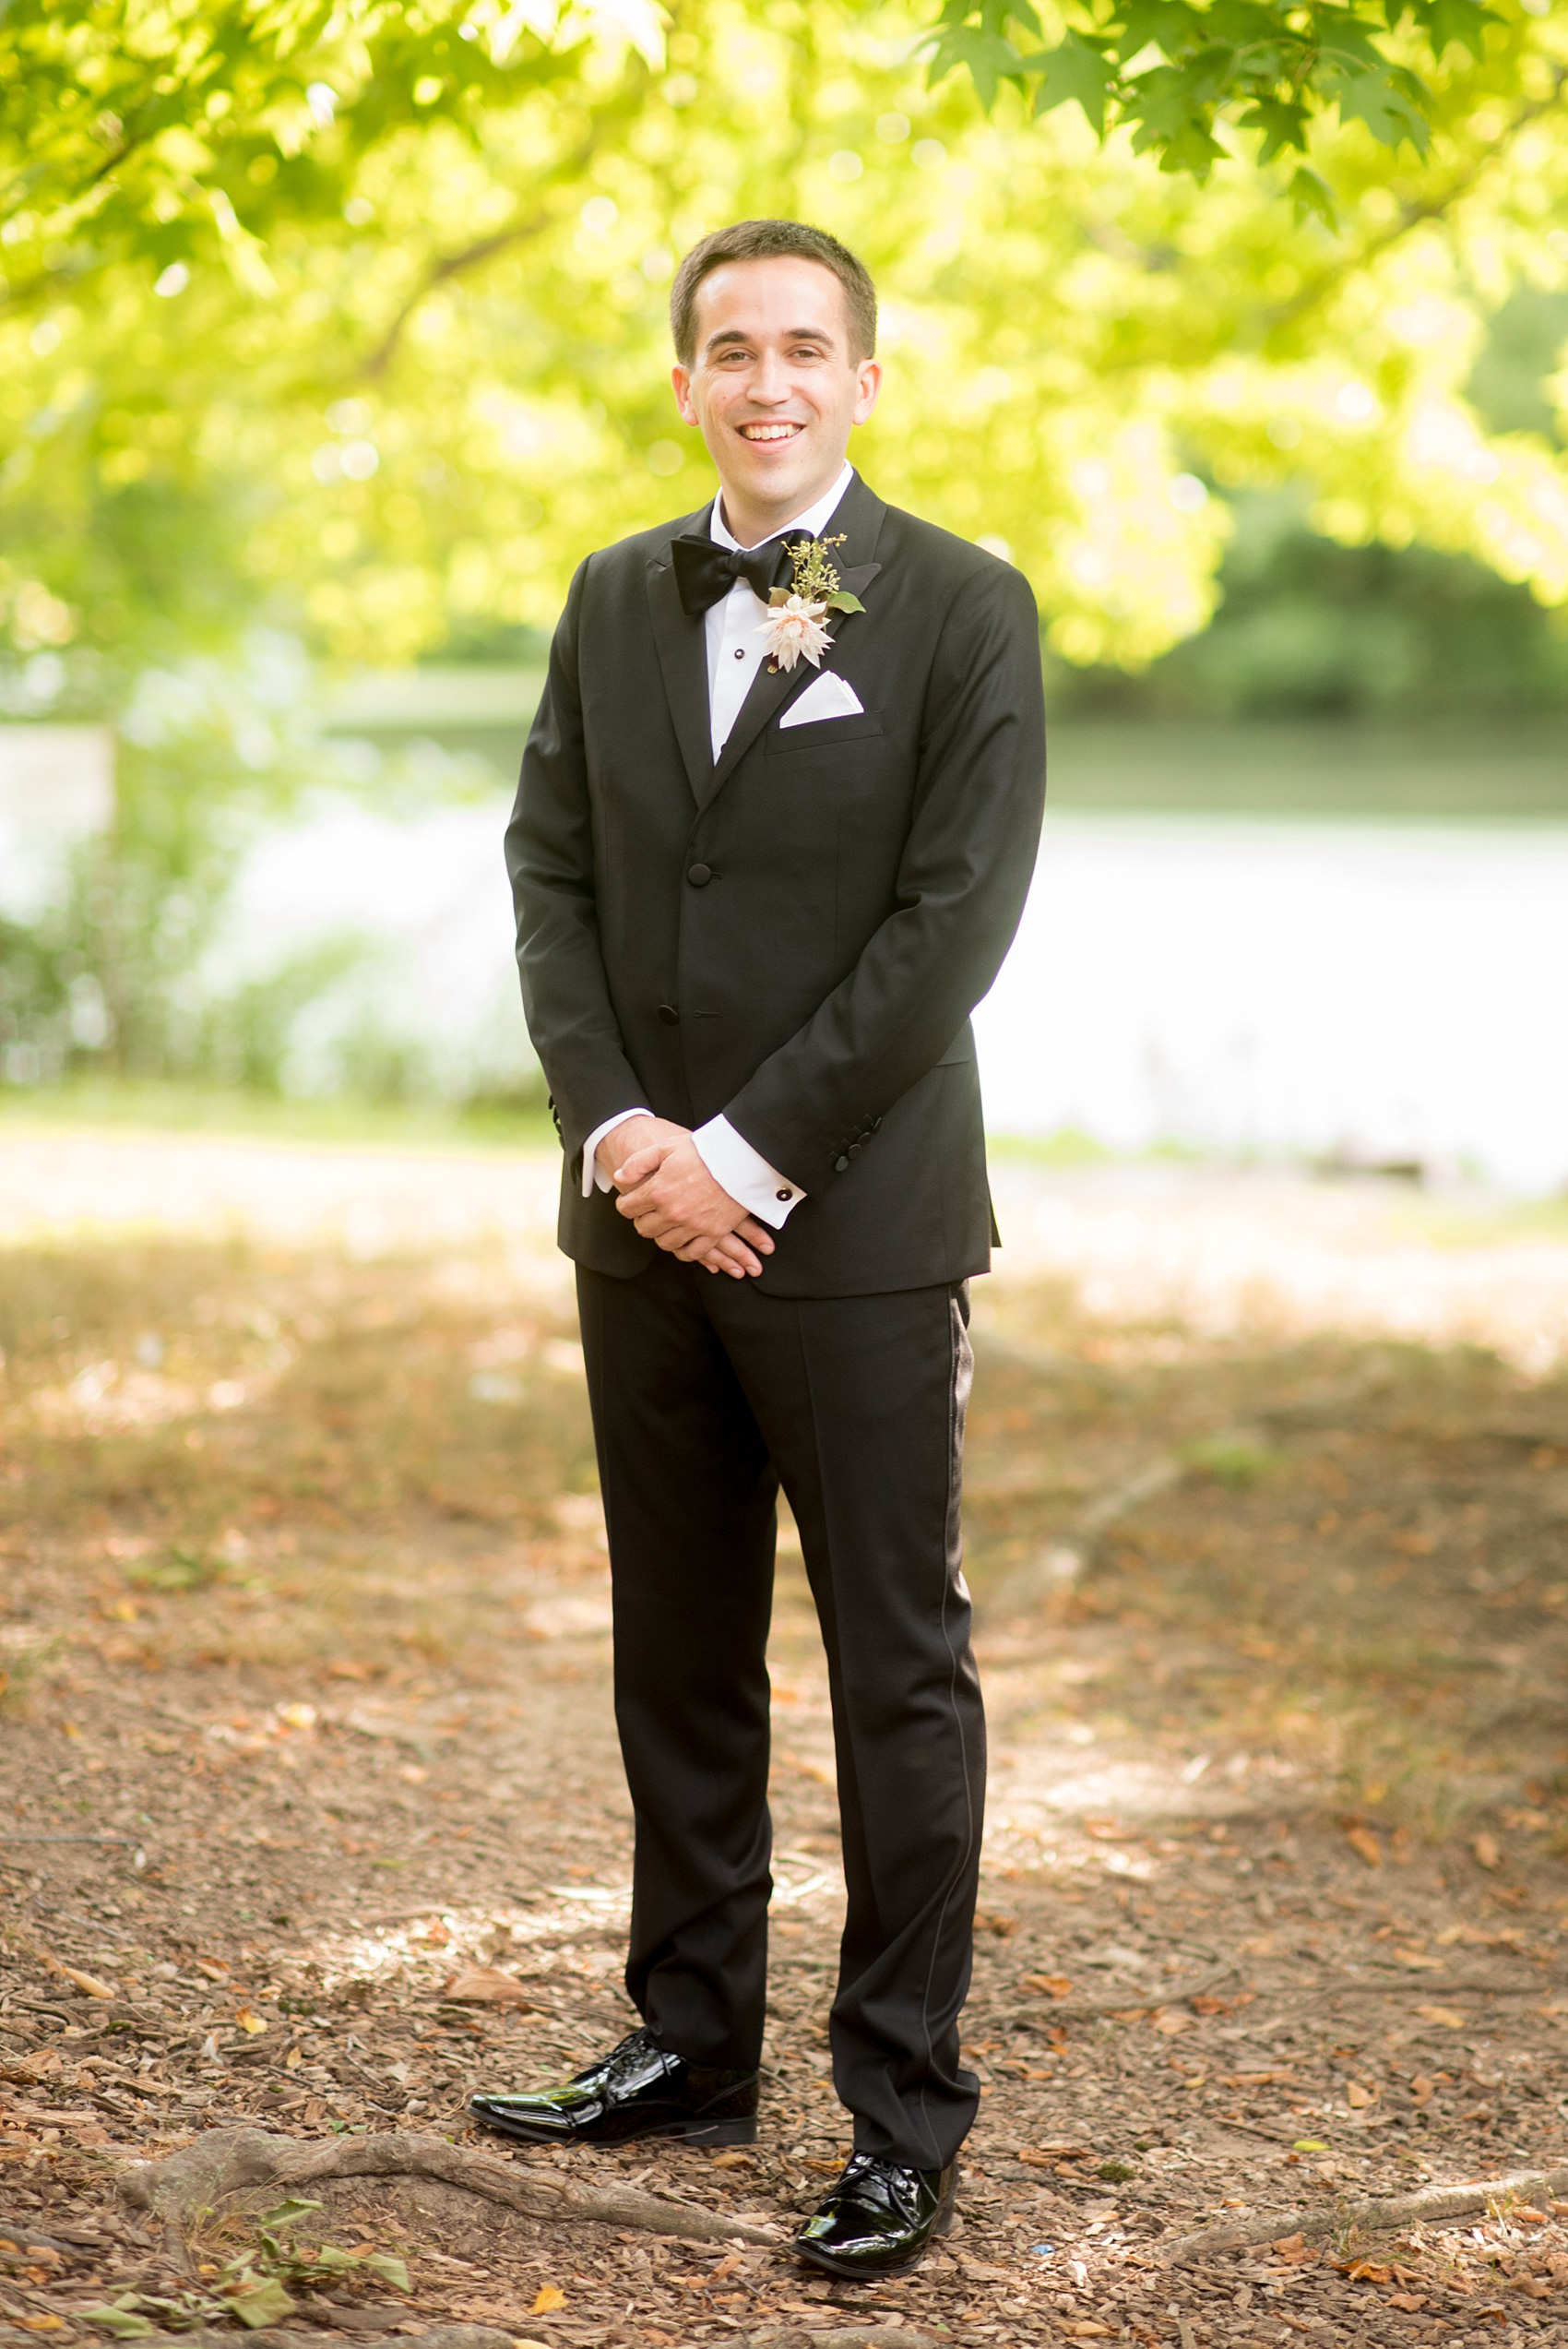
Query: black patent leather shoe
(635,2091)
(879,2218)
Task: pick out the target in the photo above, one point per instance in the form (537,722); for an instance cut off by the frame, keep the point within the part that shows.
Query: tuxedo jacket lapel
(683,660)
(683,645)
(858,516)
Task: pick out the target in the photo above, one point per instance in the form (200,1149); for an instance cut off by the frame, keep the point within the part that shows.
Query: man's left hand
(669,1195)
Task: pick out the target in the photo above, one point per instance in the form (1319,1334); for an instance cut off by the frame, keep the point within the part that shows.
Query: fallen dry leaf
(1447,2018)
(88,1984)
(1419,1961)
(1055,1986)
(485,1986)
(249,2021)
(548,2297)
(1365,2271)
(733,2160)
(1356,2095)
(1365,1846)
(1171,2019)
(1411,2301)
(1422,2088)
(1485,1852)
(1054,2149)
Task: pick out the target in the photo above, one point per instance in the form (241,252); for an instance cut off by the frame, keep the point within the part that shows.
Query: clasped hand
(667,1192)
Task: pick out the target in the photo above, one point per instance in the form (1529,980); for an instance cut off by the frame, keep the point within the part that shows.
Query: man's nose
(770,382)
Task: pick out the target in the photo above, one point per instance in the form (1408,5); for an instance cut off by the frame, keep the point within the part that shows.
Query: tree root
(228,2160)
(850,2336)
(1375,2217)
(432,2336)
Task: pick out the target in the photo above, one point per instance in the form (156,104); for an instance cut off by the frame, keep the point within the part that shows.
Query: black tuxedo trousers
(707,1395)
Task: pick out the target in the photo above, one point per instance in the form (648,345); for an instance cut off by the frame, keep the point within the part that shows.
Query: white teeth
(768,431)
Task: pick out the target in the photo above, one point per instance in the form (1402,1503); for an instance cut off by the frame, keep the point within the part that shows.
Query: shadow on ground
(310,1815)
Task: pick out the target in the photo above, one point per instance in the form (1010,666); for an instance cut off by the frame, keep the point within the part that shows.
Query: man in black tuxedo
(758,895)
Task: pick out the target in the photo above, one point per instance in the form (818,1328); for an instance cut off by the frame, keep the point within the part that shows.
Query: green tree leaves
(134,130)
(1172,72)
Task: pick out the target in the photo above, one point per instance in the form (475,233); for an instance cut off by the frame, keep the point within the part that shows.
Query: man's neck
(751,524)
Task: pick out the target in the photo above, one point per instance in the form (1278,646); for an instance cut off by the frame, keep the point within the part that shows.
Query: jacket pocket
(821,733)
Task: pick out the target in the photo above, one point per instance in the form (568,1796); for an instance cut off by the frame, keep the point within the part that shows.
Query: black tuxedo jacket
(795,935)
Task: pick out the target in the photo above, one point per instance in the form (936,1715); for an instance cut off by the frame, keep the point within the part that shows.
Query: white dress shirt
(735,650)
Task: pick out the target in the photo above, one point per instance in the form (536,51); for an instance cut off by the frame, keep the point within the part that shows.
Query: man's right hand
(648,1141)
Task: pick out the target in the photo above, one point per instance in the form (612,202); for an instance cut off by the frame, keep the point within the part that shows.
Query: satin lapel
(683,660)
(858,518)
(772,688)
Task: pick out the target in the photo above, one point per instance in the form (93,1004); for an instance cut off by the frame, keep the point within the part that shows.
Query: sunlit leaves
(1263,65)
(1077,71)
(129,130)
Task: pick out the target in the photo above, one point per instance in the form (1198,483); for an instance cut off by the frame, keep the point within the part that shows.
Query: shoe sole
(692,2133)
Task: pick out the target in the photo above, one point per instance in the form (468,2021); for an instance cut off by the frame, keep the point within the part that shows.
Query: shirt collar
(812,521)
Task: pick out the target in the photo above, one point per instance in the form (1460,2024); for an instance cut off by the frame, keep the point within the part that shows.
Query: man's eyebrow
(727,335)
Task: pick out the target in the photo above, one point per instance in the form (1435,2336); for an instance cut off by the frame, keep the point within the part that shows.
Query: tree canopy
(349,313)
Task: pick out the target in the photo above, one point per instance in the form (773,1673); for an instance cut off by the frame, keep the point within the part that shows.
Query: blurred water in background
(1344,943)
(1333,942)
(1371,994)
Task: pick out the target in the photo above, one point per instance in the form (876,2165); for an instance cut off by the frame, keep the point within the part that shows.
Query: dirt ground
(311,1817)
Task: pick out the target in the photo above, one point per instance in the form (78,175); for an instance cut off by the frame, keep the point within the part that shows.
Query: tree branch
(1415,215)
(471,256)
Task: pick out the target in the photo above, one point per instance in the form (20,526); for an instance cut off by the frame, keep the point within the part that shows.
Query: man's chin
(774,468)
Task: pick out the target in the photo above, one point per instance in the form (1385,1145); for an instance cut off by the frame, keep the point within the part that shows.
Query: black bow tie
(705,572)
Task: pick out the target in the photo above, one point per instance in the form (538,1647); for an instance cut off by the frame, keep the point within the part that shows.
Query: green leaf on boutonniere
(777,596)
(844,601)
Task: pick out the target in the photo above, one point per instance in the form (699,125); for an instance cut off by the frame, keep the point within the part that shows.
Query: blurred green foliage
(342,322)
(1306,629)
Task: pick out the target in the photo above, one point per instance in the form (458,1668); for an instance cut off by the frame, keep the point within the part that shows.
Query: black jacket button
(841,1166)
(855,1150)
(699,875)
(669,1014)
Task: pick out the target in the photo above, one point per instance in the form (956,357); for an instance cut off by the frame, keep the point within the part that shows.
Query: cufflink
(783,1194)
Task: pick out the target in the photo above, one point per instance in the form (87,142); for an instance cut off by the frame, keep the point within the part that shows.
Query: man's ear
(868,383)
(682,379)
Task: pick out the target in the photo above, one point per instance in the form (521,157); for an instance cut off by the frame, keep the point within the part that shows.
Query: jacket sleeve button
(669,1014)
(699,875)
(841,1166)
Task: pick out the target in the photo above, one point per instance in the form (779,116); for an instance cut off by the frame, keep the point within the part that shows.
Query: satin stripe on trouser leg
(703,1387)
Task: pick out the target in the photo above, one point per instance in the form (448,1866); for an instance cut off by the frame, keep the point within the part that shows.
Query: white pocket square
(827,697)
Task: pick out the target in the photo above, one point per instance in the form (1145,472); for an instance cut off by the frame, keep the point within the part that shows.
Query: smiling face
(774,387)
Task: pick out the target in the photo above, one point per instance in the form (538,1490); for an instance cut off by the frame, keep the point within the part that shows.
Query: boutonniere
(795,623)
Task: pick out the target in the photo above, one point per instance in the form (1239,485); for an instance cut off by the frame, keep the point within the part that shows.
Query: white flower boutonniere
(796,622)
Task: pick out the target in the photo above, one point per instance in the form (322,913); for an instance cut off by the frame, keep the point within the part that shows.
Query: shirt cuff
(594,1177)
(746,1175)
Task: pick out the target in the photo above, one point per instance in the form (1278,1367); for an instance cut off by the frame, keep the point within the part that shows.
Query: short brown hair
(771,241)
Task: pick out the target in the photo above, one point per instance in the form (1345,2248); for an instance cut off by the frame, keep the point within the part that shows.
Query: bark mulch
(311,1821)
